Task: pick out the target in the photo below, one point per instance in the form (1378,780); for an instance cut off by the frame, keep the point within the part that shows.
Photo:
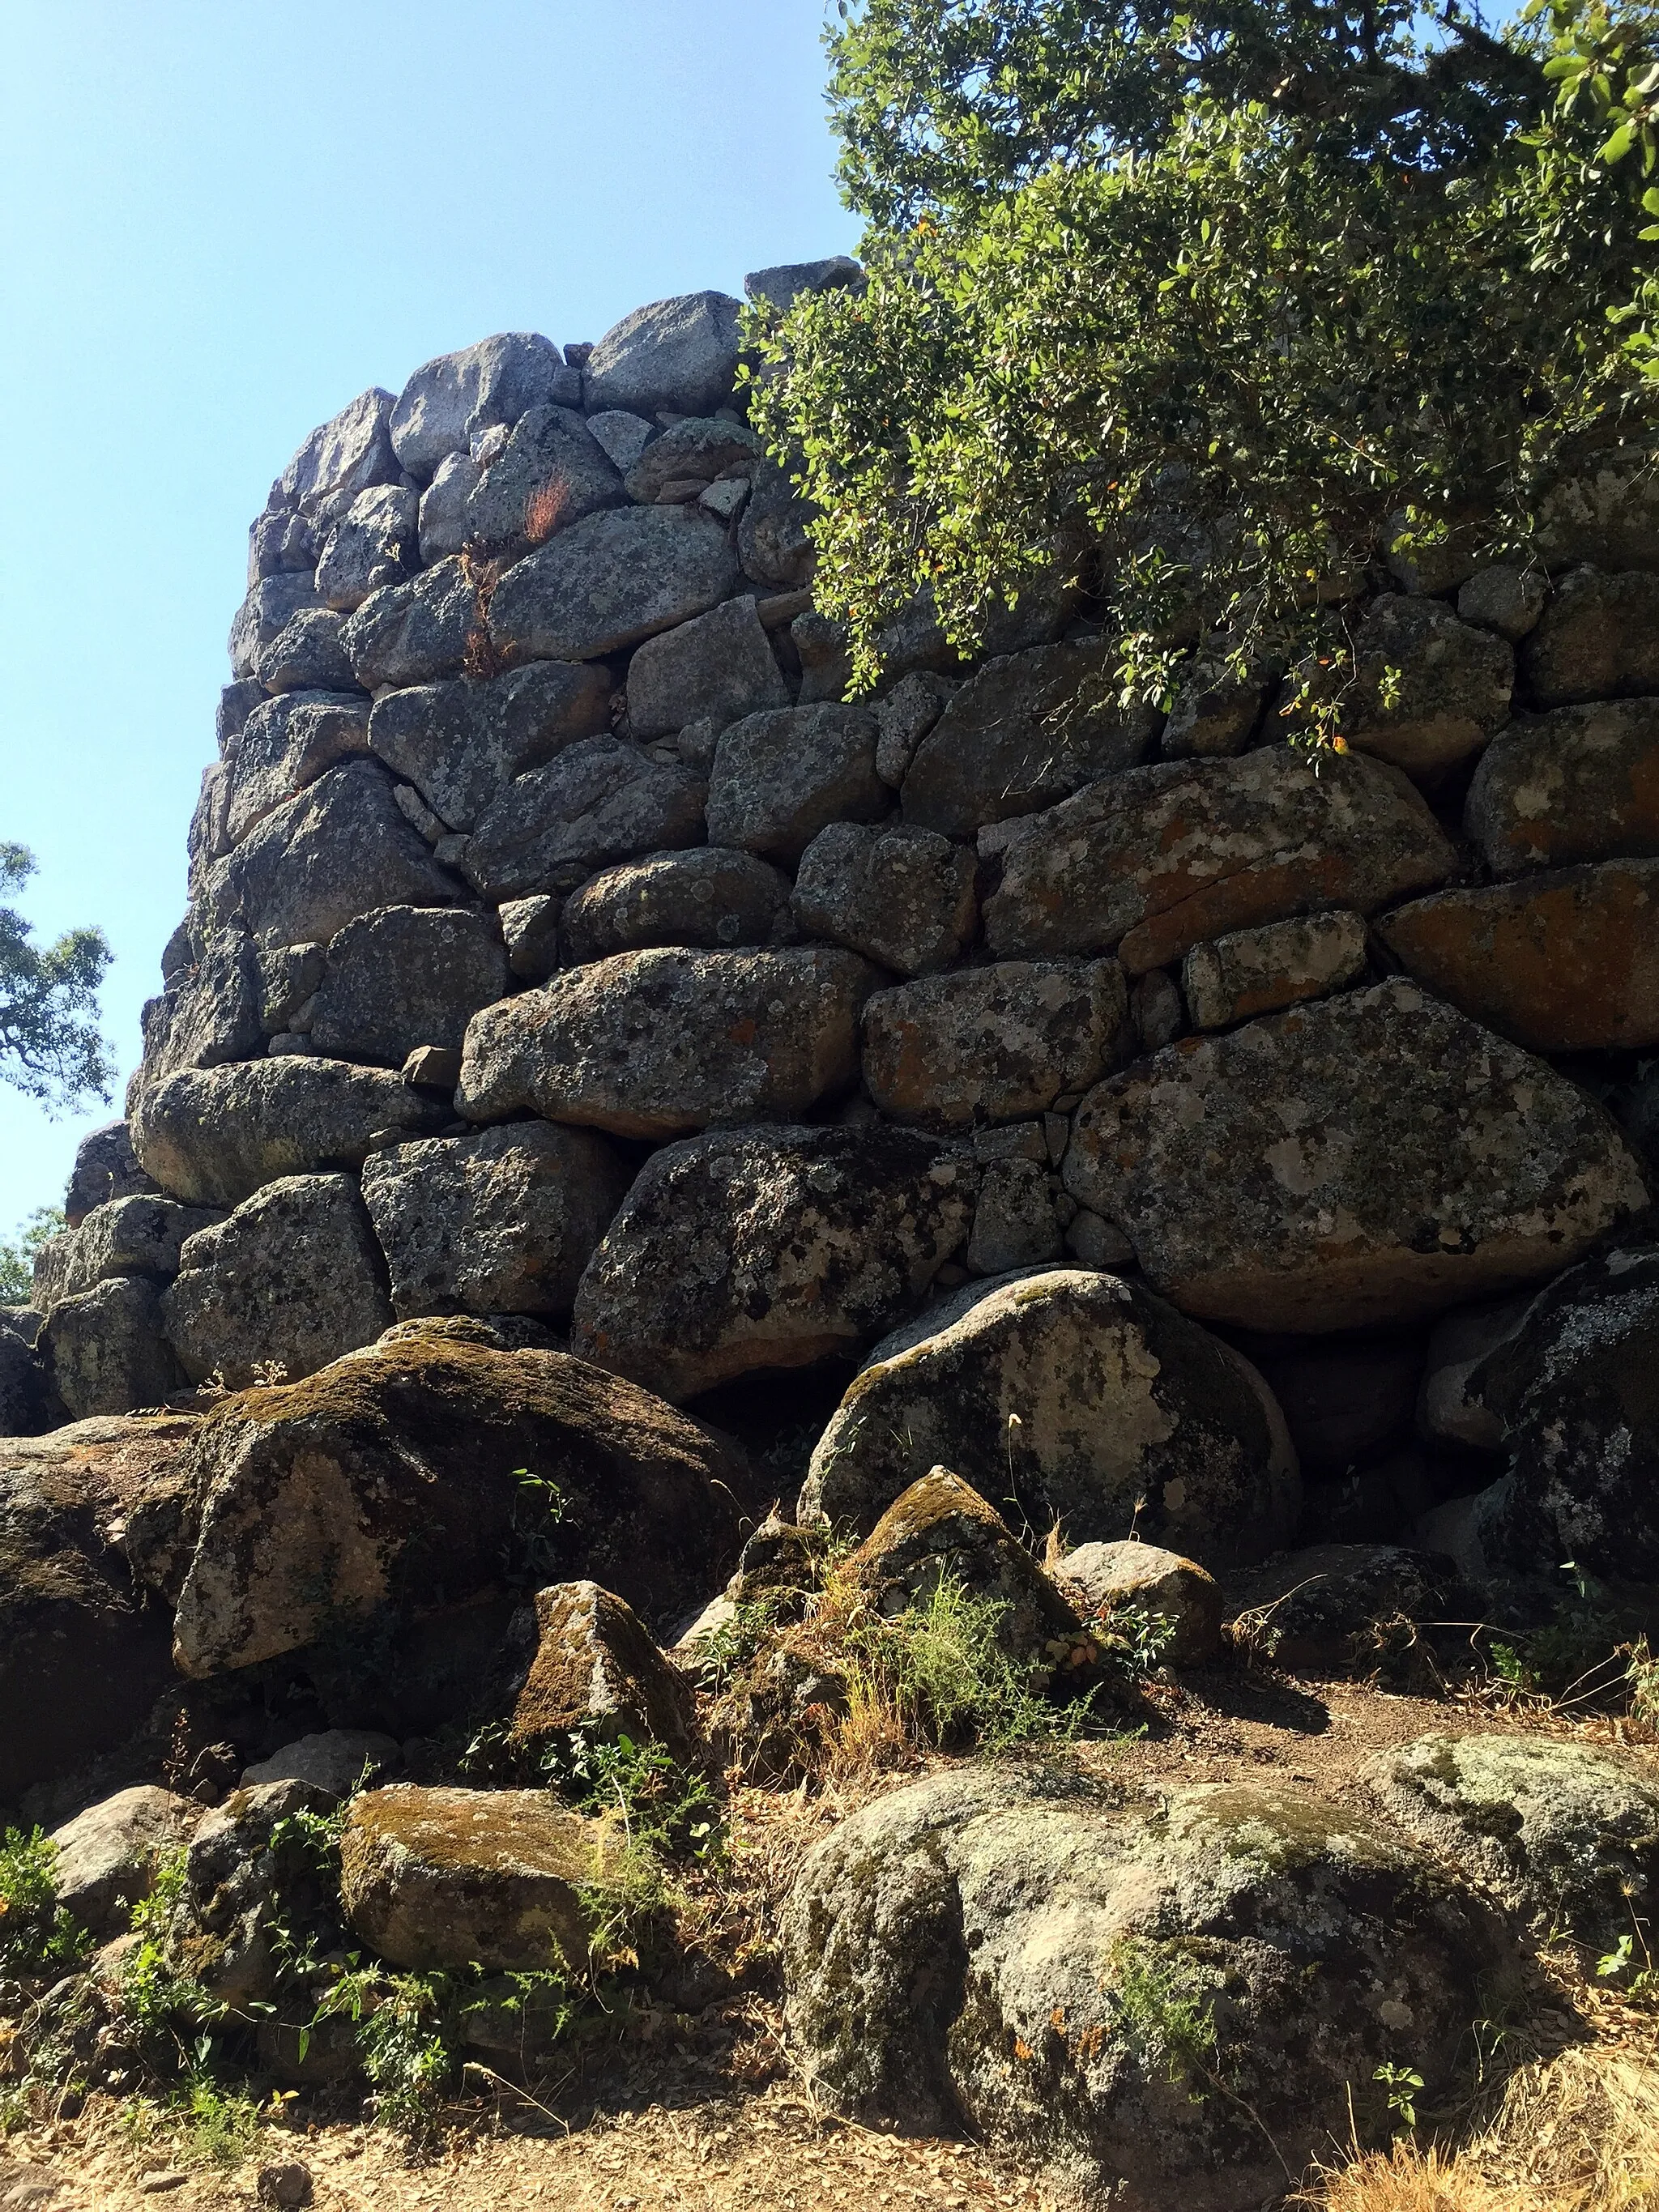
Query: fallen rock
(609,581)
(107,1349)
(375,542)
(1597,639)
(1078,1978)
(550,473)
(106,1857)
(455,399)
(1257,971)
(757,1248)
(215,1136)
(127,1237)
(992,1043)
(594,1668)
(334,1761)
(469,1877)
(502,1222)
(710,897)
(391,1476)
(1154,861)
(1566,1834)
(1429,689)
(222,1929)
(285,745)
(1009,1382)
(415,632)
(780,778)
(340,848)
(293,1279)
(902,896)
(462,744)
(1332,1608)
(1377,1198)
(1581,784)
(1103,1579)
(406,977)
(649,1044)
(1565,961)
(719,665)
(603,799)
(1024,731)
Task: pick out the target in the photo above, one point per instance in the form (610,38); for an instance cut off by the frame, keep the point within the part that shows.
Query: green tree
(1221,304)
(17,1255)
(49,1047)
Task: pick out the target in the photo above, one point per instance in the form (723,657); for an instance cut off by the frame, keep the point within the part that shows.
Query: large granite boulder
(1081,1398)
(1429,689)
(289,1282)
(1565,1833)
(650,1044)
(455,399)
(757,1248)
(602,799)
(611,580)
(594,1666)
(1573,1387)
(1185,2000)
(403,977)
(773,536)
(1566,960)
(1597,639)
(461,744)
(710,897)
(105,1168)
(127,1237)
(347,454)
(550,472)
(780,778)
(718,667)
(339,848)
(902,896)
(1024,732)
(107,1349)
(502,1222)
(678,355)
(1371,1158)
(208,1014)
(992,1043)
(285,746)
(213,1137)
(270,606)
(426,1466)
(374,542)
(106,1857)
(1581,784)
(1154,861)
(413,633)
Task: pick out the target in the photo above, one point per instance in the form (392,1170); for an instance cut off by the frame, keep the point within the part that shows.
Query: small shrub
(38,1937)
(166,2009)
(543,510)
(663,1807)
(1164,2001)
(220,2127)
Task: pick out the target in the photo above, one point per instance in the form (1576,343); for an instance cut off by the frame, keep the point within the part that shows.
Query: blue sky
(222,220)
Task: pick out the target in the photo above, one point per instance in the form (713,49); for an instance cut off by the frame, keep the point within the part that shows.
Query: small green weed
(663,1807)
(220,2127)
(405,2031)
(38,1937)
(168,2010)
(1165,2004)
(538,1508)
(1401,2084)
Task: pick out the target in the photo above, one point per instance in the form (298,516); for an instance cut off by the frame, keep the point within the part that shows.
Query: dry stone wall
(562,948)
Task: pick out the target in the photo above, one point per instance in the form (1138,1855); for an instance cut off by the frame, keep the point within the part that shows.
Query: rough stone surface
(992,1043)
(403,977)
(779,777)
(1566,1834)
(760,1249)
(127,1237)
(374,542)
(1154,861)
(107,1350)
(389,1477)
(1015,1224)
(1257,971)
(1287,1176)
(443,507)
(650,1044)
(549,475)
(1343,1403)
(710,897)
(1008,1383)
(269,605)
(1325,1608)
(346,455)
(213,1137)
(939,1936)
(222,1927)
(719,665)
(105,1168)
(679,354)
(1606,510)
(610,580)
(1597,639)
(1026,729)
(334,1761)
(903,719)
(772,540)
(530,929)
(1452,685)
(338,849)
(594,1666)
(308,653)
(1581,784)
(1446,1406)
(783,285)
(461,744)
(1217,710)
(412,633)
(106,1857)
(468,1877)
(623,437)
(1566,961)
(293,1279)
(208,1014)
(1100,1579)
(455,399)
(285,745)
(899,895)
(694,451)
(503,1222)
(1508,600)
(601,800)
(26,1404)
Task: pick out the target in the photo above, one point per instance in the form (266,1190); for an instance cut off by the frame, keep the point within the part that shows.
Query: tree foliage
(49,1047)
(1224,302)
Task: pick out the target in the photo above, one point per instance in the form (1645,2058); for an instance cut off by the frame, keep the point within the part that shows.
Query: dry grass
(545,509)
